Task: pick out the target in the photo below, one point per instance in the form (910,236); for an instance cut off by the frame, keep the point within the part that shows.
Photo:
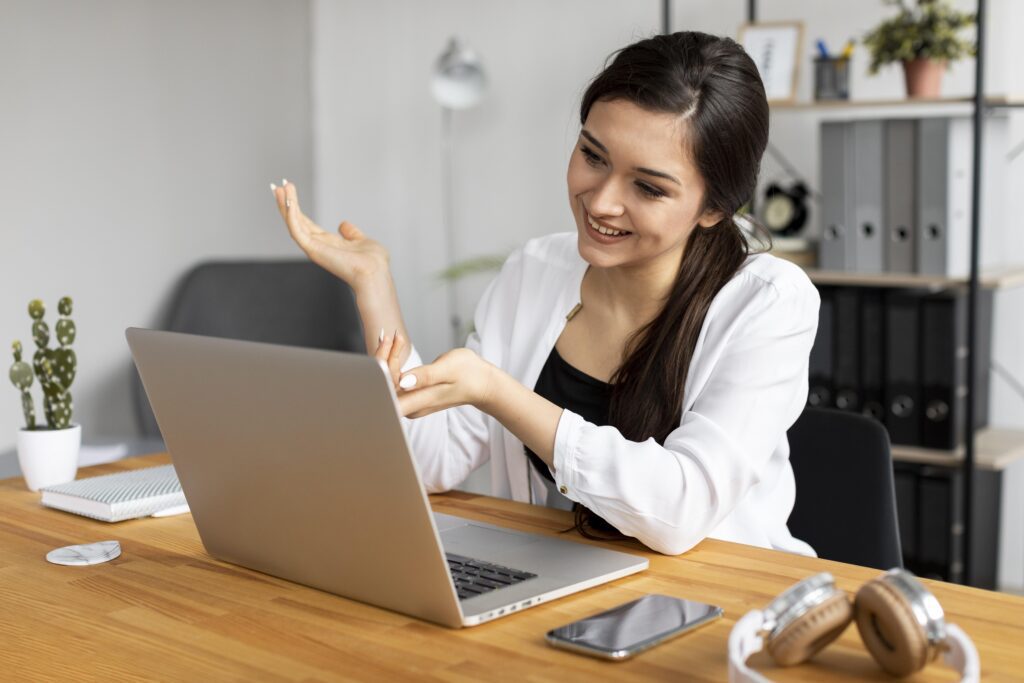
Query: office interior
(138,140)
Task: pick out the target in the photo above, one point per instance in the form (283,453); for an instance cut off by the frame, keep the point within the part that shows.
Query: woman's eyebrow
(647,171)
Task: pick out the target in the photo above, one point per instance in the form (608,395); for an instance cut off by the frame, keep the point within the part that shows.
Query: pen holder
(831,78)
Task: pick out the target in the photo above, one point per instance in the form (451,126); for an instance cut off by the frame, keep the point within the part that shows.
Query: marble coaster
(81,555)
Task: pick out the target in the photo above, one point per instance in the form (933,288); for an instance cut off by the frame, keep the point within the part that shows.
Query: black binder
(846,364)
(820,371)
(944,366)
(872,353)
(902,378)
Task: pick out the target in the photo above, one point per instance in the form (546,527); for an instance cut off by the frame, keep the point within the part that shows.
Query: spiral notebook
(119,496)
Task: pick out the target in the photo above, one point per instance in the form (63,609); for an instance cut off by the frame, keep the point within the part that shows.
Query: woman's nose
(606,199)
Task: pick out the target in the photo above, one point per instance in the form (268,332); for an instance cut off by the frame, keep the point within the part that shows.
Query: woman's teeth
(605,231)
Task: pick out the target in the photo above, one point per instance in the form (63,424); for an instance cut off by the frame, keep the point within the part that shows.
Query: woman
(644,369)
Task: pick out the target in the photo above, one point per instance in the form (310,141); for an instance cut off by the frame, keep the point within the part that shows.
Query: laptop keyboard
(475,577)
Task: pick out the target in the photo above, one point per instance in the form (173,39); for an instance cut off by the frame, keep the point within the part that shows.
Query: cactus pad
(21,376)
(40,333)
(36,309)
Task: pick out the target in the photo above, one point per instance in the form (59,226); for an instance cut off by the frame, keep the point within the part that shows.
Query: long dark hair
(714,85)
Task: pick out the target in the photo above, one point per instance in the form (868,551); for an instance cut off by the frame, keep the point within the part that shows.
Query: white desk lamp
(458,83)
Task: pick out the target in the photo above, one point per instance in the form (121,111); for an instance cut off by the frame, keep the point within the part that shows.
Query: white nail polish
(284,182)
(407,382)
(380,338)
(273,187)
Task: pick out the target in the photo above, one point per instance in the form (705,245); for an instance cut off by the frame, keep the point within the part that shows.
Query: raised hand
(348,254)
(359,261)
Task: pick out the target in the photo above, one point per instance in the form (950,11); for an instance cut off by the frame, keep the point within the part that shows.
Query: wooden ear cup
(889,630)
(802,639)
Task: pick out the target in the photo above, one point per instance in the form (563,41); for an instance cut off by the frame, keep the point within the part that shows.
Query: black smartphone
(623,631)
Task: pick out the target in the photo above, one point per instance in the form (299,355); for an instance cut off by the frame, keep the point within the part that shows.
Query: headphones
(900,621)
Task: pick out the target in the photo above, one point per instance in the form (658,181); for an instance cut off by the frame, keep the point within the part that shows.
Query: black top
(568,388)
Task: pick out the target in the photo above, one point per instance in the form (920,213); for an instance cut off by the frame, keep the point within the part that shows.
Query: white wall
(137,138)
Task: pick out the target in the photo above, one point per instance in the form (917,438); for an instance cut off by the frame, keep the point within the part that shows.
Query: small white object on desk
(82,555)
(168,512)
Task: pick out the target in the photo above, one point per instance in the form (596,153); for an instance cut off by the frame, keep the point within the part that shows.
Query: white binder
(944,164)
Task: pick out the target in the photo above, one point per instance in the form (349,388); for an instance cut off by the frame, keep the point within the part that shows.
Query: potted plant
(48,454)
(925,39)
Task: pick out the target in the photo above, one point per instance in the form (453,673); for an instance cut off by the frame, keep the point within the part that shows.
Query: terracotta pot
(924,77)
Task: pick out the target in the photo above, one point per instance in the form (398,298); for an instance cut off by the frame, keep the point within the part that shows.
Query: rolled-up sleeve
(749,389)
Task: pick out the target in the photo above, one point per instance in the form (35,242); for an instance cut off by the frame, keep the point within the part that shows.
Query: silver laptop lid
(267,441)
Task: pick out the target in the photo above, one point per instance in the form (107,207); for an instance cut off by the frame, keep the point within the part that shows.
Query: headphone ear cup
(889,630)
(812,631)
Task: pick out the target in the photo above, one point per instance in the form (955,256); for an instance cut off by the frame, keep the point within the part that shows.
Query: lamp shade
(459,79)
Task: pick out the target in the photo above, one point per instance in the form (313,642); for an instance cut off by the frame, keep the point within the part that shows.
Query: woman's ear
(710,218)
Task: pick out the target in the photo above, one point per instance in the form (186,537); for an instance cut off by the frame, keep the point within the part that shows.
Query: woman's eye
(592,158)
(650,190)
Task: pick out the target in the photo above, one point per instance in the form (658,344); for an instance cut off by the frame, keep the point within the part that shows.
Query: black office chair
(295,303)
(845,498)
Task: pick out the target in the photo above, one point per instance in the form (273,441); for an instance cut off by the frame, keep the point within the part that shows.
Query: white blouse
(724,472)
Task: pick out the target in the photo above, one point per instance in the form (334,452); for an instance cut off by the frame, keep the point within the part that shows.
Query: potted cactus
(48,453)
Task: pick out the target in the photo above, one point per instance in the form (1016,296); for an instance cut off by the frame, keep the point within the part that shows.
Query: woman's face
(631,176)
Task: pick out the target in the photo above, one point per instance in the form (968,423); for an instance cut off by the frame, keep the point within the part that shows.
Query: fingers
(288,206)
(395,357)
(424,401)
(384,345)
(419,377)
(389,353)
(350,232)
(298,223)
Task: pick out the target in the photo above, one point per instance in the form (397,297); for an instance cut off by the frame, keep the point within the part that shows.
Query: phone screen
(635,626)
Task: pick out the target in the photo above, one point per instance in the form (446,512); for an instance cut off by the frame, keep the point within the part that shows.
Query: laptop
(295,463)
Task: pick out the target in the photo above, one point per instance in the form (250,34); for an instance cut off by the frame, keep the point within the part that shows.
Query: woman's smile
(601,233)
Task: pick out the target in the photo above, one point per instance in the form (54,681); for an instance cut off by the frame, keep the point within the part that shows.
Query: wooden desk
(165,610)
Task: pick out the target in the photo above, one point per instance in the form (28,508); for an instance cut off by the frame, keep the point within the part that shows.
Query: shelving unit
(956,104)
(988,450)
(1001,278)
(996,449)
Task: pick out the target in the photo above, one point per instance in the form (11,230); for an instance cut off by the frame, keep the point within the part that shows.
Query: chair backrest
(845,497)
(295,303)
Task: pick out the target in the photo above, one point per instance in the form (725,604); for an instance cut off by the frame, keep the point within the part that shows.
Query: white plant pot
(49,456)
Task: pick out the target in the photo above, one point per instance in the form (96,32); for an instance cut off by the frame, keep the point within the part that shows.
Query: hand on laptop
(456,378)
(390,348)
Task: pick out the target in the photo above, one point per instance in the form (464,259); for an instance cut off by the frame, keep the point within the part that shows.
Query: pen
(848,49)
(822,50)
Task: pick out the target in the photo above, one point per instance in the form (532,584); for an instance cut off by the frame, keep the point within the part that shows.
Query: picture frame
(776,48)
